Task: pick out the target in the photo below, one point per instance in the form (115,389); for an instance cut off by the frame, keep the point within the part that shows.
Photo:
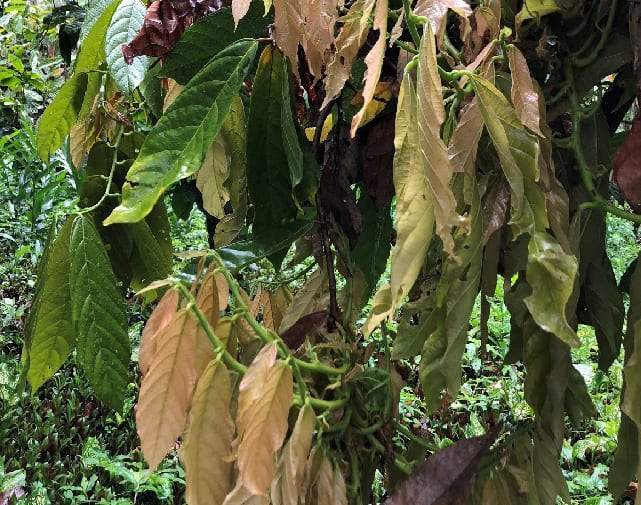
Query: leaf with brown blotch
(627,166)
(287,487)
(447,476)
(207,448)
(265,396)
(436,11)
(295,335)
(524,96)
(160,318)
(239,9)
(465,139)
(438,169)
(167,389)
(355,26)
(374,62)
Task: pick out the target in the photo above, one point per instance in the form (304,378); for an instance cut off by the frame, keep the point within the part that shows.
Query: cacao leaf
(160,318)
(436,11)
(93,13)
(167,389)
(125,23)
(265,396)
(627,169)
(464,143)
(92,51)
(211,177)
(176,147)
(206,452)
(241,496)
(239,10)
(99,315)
(524,97)
(49,332)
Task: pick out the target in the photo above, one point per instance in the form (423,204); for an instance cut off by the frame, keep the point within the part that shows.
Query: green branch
(580,62)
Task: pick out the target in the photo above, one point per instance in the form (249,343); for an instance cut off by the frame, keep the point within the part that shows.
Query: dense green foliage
(405,209)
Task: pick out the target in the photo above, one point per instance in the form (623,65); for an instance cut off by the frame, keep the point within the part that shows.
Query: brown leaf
(326,485)
(310,298)
(524,96)
(374,62)
(465,139)
(447,477)
(241,496)
(377,157)
(266,394)
(289,26)
(160,318)
(319,34)
(239,9)
(295,334)
(627,166)
(167,389)
(495,206)
(436,11)
(164,23)
(273,309)
(206,452)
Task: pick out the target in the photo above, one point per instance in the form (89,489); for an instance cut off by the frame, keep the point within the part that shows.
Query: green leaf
(125,24)
(273,162)
(518,153)
(61,114)
(176,147)
(550,272)
(94,11)
(49,333)
(92,52)
(208,36)
(99,315)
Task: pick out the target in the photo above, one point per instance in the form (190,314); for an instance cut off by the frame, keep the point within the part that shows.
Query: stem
(320,368)
(406,46)
(221,350)
(411,23)
(605,35)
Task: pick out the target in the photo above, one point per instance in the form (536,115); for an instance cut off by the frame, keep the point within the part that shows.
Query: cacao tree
(461,143)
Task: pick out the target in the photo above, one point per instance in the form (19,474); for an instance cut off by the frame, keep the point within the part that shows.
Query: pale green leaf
(125,24)
(99,315)
(177,145)
(550,272)
(49,332)
(207,452)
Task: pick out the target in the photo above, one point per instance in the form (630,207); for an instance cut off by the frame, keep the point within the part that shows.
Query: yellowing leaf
(374,62)
(265,396)
(381,308)
(160,318)
(535,9)
(173,90)
(328,124)
(414,206)
(524,97)
(550,272)
(211,177)
(206,452)
(465,139)
(349,40)
(238,9)
(287,487)
(438,170)
(382,94)
(167,389)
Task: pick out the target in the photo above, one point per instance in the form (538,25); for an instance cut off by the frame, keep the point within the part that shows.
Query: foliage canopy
(462,143)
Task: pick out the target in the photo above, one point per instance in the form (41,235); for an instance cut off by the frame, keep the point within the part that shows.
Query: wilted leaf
(177,145)
(550,272)
(49,332)
(239,9)
(436,11)
(374,62)
(307,299)
(241,496)
(289,26)
(211,177)
(166,391)
(324,483)
(627,166)
(206,451)
(295,335)
(319,34)
(524,97)
(464,143)
(447,476)
(266,394)
(287,487)
(381,307)
(125,23)
(160,318)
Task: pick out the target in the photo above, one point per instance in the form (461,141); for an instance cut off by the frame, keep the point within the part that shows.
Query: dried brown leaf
(241,496)
(319,34)
(239,9)
(266,394)
(167,389)
(627,166)
(160,318)
(289,26)
(310,298)
(524,96)
(374,62)
(295,335)
(207,449)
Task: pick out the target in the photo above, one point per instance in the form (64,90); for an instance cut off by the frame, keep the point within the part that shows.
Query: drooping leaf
(160,318)
(447,476)
(49,332)
(166,391)
(464,143)
(61,114)
(125,23)
(211,177)
(263,407)
(206,451)
(240,495)
(324,483)
(319,38)
(287,487)
(289,26)
(239,10)
(550,272)
(274,158)
(207,37)
(309,298)
(414,206)
(436,12)
(524,97)
(92,52)
(381,306)
(99,315)
(176,147)
(627,169)
(535,9)
(374,62)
